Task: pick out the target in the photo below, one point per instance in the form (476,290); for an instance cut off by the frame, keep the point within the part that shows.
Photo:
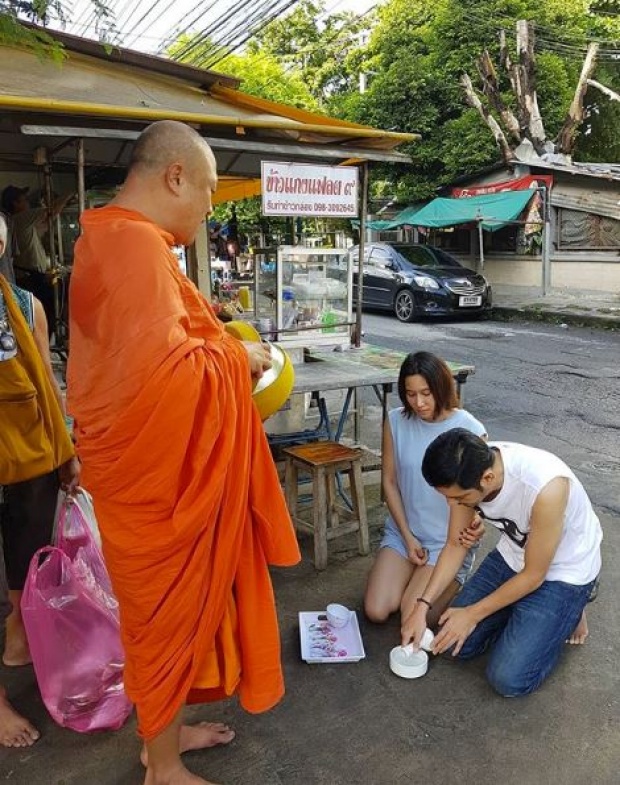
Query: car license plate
(470,299)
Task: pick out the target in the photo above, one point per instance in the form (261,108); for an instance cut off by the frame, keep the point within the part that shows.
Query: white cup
(426,643)
(337,615)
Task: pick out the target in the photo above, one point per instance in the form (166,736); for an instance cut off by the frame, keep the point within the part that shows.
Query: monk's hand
(457,624)
(69,476)
(259,356)
(416,554)
(473,533)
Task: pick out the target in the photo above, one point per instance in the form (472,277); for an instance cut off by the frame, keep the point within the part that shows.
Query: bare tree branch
(527,72)
(492,92)
(568,133)
(609,93)
(474,101)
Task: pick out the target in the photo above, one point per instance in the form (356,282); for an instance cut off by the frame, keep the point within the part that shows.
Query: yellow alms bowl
(274,387)
(244,331)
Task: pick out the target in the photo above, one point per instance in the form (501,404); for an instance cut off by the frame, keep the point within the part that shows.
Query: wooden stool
(323,460)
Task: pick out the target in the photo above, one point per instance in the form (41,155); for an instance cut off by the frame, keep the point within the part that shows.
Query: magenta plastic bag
(71,620)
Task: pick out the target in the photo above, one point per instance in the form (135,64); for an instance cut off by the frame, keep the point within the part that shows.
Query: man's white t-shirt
(527,470)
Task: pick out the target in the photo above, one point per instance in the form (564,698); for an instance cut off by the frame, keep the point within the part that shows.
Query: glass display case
(295,295)
(314,296)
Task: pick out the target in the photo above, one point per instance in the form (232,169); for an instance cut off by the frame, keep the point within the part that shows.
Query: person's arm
(546,526)
(415,553)
(448,564)
(41,340)
(58,205)
(69,472)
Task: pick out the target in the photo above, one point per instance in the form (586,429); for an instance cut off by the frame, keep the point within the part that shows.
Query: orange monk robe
(185,490)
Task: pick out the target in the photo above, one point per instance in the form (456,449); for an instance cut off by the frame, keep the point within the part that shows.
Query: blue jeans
(526,638)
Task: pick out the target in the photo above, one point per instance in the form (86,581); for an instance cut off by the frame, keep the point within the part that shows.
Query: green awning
(377,226)
(494,210)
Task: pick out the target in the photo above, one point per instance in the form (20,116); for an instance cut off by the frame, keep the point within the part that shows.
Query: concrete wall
(513,270)
(596,276)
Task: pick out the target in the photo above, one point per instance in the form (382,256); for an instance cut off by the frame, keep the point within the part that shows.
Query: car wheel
(404,306)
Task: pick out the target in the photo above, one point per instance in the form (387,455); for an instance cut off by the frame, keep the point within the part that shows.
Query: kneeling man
(529,594)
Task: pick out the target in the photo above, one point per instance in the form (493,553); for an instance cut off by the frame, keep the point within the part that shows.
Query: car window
(424,256)
(381,258)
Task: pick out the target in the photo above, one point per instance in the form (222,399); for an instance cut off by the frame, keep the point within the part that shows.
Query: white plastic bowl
(408,665)
(338,615)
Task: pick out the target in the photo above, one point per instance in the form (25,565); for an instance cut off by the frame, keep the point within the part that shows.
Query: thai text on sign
(304,189)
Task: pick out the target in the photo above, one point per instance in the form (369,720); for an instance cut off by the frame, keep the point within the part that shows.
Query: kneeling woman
(417,525)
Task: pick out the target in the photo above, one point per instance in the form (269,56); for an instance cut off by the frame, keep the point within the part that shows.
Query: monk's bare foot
(580,633)
(15,731)
(177,776)
(199,737)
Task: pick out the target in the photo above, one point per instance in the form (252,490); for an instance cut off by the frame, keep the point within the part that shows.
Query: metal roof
(118,54)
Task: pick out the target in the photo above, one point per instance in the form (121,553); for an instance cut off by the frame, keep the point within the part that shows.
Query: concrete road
(552,387)
(351,724)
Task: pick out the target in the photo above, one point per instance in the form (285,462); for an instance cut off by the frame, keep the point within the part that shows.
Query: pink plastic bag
(71,620)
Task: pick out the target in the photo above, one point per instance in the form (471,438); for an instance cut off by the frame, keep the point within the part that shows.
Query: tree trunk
(568,133)
(512,70)
(474,101)
(491,90)
(527,73)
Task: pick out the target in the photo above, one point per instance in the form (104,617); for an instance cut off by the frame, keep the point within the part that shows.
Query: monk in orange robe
(174,453)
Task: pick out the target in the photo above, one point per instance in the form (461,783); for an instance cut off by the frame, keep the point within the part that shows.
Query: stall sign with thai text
(307,190)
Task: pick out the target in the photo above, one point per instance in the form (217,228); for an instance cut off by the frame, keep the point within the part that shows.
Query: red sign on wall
(521,184)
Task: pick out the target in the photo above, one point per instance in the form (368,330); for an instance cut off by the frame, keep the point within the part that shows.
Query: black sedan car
(419,280)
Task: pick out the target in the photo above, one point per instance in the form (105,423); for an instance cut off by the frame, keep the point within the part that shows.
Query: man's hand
(415,552)
(457,624)
(69,476)
(473,533)
(259,356)
(414,626)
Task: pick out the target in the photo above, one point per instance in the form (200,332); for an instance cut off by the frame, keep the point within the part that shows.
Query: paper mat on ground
(320,642)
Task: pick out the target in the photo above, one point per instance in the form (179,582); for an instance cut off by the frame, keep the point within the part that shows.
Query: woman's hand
(259,356)
(415,552)
(69,476)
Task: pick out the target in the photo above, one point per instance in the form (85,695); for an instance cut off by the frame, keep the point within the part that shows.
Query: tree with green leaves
(418,53)
(324,49)
(13,31)
(261,72)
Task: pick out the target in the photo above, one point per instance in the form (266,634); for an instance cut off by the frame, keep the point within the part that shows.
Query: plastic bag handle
(79,522)
(36,565)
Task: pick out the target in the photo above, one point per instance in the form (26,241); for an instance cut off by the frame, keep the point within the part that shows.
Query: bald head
(166,142)
(172,176)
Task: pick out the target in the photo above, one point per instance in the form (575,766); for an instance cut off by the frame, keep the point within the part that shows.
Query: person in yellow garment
(186,493)
(31,471)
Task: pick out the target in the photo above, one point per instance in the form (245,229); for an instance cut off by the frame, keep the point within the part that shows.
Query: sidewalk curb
(601,321)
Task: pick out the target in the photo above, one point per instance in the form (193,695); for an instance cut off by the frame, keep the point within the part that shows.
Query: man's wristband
(425,601)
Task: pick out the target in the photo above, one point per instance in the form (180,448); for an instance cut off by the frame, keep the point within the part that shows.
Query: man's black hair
(457,457)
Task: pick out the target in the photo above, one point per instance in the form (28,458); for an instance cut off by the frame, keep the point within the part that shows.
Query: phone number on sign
(349,209)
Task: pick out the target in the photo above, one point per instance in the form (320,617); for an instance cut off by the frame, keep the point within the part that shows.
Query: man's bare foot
(199,737)
(580,633)
(15,731)
(178,776)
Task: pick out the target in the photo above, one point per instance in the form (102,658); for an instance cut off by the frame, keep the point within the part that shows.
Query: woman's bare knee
(376,612)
